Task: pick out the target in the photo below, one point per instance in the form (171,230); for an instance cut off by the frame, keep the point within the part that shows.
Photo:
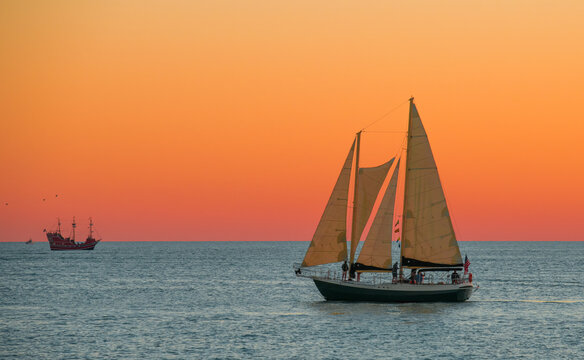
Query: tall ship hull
(81,247)
(76,247)
(417,218)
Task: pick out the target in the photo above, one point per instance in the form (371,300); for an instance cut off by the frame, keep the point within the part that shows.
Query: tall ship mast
(429,248)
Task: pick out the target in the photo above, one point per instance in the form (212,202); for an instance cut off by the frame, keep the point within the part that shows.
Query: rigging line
(401,147)
(387,113)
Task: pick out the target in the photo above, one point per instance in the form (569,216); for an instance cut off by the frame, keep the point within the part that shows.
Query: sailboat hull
(354,291)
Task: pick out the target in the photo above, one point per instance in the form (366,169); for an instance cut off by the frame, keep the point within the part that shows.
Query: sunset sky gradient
(230,120)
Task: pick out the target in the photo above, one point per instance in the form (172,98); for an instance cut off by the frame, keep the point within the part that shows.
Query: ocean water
(241,300)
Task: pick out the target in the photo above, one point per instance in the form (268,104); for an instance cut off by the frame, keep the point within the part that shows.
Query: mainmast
(90,228)
(354,235)
(403,220)
(74,225)
(58,225)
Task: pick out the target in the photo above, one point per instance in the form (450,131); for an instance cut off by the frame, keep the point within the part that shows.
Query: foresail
(370,181)
(329,243)
(428,238)
(376,251)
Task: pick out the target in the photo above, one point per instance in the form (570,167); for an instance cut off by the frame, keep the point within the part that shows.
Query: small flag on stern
(466,264)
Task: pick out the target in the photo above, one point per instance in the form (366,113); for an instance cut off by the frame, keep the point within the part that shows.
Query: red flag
(466,264)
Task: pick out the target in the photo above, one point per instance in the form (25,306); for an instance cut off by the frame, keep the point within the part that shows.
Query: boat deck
(382,288)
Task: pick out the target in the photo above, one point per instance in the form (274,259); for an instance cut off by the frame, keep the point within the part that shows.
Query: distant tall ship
(58,242)
(429,249)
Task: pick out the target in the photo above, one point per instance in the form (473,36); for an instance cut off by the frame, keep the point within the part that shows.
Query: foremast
(354,233)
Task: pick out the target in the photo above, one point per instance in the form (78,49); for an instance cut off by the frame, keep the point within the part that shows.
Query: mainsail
(369,184)
(427,235)
(376,250)
(329,243)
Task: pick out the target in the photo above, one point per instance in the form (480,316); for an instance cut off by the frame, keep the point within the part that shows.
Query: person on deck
(455,277)
(345,267)
(413,276)
(352,271)
(394,272)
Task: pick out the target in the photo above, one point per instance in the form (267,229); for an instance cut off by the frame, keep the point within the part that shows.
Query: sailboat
(428,248)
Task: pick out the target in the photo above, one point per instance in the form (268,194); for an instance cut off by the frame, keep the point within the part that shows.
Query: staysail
(428,237)
(329,243)
(369,184)
(376,251)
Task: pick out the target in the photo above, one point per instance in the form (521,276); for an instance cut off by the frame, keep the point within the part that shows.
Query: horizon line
(113,241)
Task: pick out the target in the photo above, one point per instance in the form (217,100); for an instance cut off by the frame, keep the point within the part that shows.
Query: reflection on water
(375,308)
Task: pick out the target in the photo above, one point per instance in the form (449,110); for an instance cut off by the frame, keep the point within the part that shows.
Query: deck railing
(434,277)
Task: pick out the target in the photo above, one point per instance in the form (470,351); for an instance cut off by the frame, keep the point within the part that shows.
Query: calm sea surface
(220,300)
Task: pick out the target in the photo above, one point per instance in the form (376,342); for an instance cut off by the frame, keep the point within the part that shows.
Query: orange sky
(230,120)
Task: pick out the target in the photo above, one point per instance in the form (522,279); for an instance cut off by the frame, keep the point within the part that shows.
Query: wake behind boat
(58,242)
(429,249)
